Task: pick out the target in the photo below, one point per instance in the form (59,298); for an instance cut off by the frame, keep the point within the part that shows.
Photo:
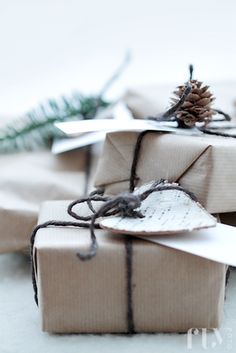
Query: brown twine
(129,289)
(169,114)
(210,131)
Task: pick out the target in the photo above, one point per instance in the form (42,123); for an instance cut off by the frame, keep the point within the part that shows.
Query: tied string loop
(125,204)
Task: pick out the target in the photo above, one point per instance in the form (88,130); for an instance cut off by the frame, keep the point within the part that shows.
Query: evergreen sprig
(36,129)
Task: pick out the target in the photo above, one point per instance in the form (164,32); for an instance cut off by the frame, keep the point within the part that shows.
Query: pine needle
(36,129)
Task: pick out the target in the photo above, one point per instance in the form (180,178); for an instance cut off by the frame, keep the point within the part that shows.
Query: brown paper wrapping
(172,291)
(204,165)
(27,179)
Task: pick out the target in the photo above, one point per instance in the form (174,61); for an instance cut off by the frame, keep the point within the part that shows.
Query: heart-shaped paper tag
(165,212)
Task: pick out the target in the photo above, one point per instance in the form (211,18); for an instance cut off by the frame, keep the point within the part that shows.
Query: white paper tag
(116,117)
(68,144)
(117,111)
(74,128)
(166,212)
(217,244)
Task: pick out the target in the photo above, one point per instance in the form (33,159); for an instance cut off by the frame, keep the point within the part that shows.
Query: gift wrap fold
(204,164)
(26,180)
(168,290)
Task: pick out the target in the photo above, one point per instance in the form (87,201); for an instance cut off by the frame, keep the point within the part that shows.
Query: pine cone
(197,106)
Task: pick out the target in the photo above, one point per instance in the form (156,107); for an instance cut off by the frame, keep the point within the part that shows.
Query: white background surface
(50,47)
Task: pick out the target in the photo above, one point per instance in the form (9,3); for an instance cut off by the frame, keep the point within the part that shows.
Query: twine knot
(127,203)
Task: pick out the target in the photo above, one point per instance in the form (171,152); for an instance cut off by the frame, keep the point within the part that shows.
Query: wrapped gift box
(171,291)
(26,180)
(228,218)
(203,164)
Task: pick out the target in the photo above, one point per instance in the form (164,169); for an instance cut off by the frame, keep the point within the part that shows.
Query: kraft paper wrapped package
(171,291)
(27,179)
(202,164)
